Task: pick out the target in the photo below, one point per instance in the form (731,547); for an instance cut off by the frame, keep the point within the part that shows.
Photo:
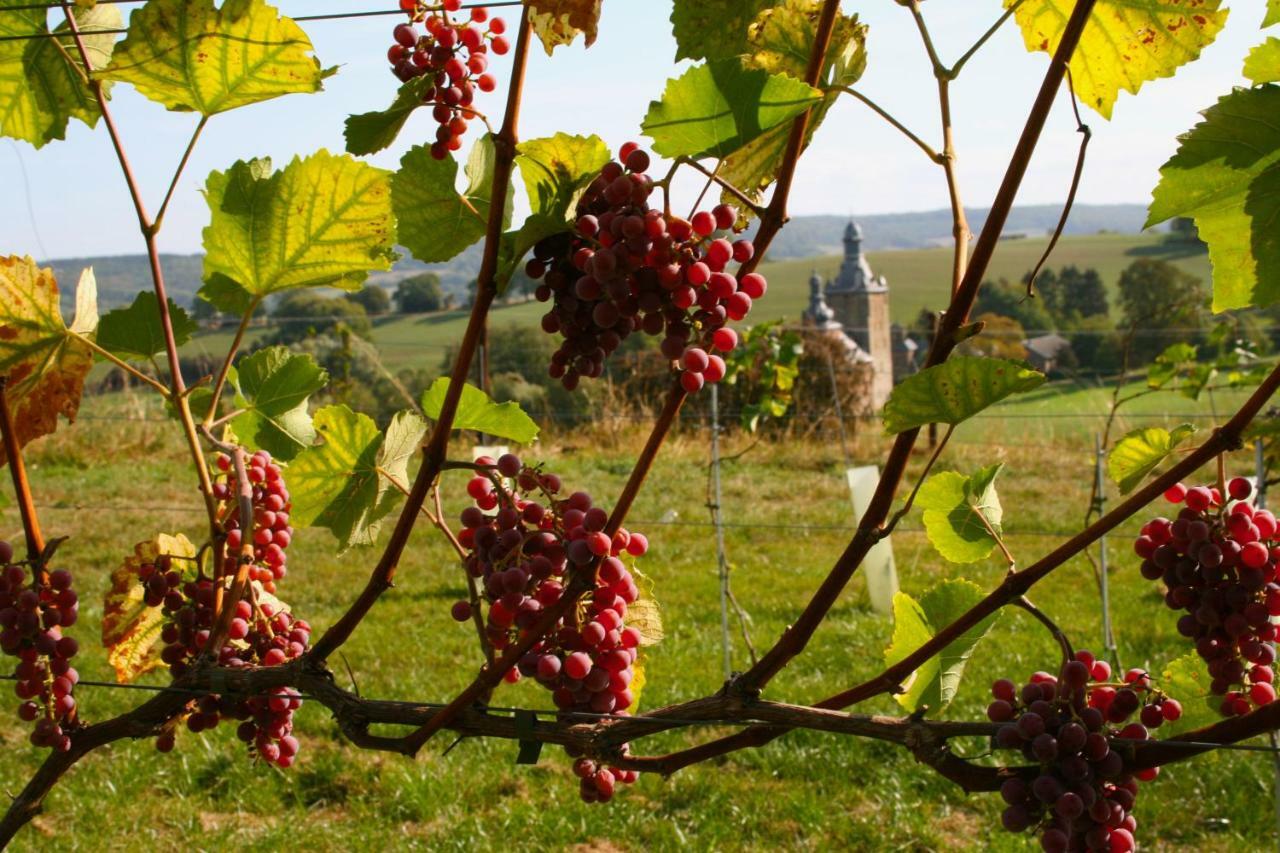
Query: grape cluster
(526,545)
(1218,560)
(454,53)
(261,632)
(628,267)
(1083,797)
(32,617)
(271,531)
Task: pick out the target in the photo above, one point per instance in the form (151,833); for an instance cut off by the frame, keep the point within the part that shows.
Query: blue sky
(857,164)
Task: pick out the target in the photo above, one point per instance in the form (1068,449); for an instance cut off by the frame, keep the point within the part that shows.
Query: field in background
(789,514)
(918,278)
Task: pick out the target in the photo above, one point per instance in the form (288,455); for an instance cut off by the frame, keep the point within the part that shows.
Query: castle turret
(860,300)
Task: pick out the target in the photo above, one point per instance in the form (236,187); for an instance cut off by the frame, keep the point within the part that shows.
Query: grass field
(918,278)
(113,480)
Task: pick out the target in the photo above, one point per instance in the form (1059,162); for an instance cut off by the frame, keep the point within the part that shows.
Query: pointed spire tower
(860,300)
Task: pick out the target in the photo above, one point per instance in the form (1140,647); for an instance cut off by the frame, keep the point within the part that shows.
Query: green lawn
(108,483)
(918,278)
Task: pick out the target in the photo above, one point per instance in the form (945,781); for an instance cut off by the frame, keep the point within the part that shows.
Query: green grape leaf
(41,84)
(478,411)
(715,109)
(955,508)
(325,221)
(191,57)
(1140,451)
(1262,65)
(1187,680)
(436,222)
(556,170)
(557,22)
(1273,13)
(369,133)
(713,29)
(131,629)
(45,362)
(514,245)
(136,332)
(955,391)
(1126,42)
(781,38)
(272,387)
(934,684)
(404,438)
(1226,175)
(1166,365)
(336,484)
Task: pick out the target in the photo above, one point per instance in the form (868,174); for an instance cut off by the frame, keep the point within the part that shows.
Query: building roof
(855,273)
(1047,346)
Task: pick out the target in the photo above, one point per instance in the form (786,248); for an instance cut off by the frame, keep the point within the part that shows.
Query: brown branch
(434,452)
(795,638)
(21,486)
(224,371)
(149,229)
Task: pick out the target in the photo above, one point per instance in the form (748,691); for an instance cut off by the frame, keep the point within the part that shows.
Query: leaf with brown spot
(45,363)
(131,629)
(558,22)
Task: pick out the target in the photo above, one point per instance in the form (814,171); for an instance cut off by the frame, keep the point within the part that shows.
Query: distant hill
(122,276)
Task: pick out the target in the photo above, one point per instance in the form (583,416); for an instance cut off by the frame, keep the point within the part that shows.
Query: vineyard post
(722,561)
(1104,583)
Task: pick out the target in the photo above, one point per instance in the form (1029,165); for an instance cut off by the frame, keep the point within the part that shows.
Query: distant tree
(419,294)
(373,299)
(1082,293)
(1182,229)
(1048,289)
(303,314)
(1163,303)
(1001,337)
(1010,300)
(204,313)
(521,285)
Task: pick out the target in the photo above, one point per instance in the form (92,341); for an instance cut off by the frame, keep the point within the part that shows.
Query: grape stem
(22,489)
(224,371)
(149,229)
(225,605)
(1068,653)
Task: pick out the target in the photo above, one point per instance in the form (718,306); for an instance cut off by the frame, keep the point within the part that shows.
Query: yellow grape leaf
(45,363)
(558,22)
(1126,42)
(637,686)
(643,614)
(131,629)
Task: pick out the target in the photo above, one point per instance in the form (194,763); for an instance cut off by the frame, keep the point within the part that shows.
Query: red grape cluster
(32,617)
(526,546)
(1218,561)
(271,531)
(1083,795)
(628,267)
(454,53)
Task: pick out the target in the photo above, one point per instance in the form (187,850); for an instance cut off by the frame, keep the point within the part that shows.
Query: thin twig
(887,116)
(21,485)
(960,63)
(225,370)
(1068,653)
(122,364)
(906,507)
(177,175)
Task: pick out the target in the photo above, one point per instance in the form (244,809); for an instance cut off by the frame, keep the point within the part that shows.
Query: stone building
(856,303)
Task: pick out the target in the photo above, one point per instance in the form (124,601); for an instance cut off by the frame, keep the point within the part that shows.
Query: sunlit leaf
(1125,43)
(713,29)
(713,110)
(45,363)
(131,629)
(1187,680)
(42,85)
(1226,175)
(935,683)
(955,391)
(1140,451)
(368,133)
(1262,65)
(477,411)
(324,221)
(961,512)
(190,56)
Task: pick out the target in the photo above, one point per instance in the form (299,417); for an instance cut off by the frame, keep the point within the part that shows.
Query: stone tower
(860,300)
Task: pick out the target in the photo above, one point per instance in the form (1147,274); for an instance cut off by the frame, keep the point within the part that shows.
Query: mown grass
(108,483)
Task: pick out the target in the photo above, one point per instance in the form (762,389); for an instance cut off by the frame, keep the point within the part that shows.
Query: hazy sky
(857,165)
